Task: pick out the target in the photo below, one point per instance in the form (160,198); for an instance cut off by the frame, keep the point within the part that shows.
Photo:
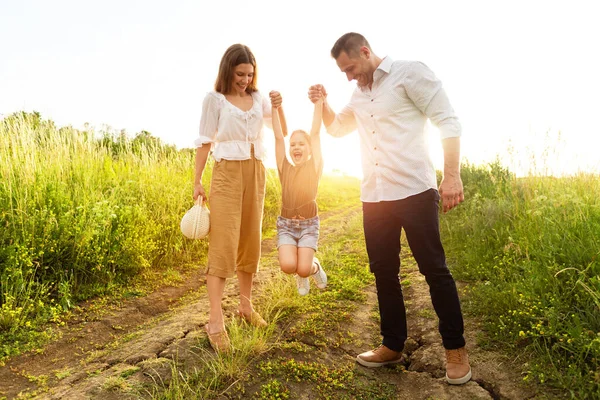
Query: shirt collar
(386,64)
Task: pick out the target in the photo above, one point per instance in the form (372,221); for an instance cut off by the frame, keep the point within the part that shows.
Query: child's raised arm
(315,135)
(279,134)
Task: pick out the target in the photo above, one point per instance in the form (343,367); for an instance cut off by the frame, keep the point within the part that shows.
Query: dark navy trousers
(418,215)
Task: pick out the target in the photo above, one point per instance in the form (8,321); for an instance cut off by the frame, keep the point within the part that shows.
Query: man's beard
(363,85)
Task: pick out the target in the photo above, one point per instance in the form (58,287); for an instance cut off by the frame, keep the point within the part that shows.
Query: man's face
(356,67)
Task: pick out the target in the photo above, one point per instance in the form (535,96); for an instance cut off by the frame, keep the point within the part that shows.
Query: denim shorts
(298,232)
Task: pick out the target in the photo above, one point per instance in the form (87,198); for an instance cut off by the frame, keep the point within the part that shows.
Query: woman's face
(299,148)
(242,77)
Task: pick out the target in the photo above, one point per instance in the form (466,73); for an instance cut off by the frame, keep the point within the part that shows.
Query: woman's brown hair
(235,55)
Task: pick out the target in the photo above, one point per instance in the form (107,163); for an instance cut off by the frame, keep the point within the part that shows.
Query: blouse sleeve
(209,121)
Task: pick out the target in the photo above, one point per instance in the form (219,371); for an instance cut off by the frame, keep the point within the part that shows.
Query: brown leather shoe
(379,357)
(458,370)
(219,341)
(253,319)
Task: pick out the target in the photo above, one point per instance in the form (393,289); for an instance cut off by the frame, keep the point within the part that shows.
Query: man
(390,108)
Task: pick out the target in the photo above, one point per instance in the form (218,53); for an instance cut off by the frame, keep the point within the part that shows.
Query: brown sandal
(254,319)
(219,341)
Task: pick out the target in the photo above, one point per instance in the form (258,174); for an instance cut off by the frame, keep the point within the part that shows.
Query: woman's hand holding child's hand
(276,99)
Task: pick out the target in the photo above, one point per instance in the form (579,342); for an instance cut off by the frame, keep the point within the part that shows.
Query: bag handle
(199,201)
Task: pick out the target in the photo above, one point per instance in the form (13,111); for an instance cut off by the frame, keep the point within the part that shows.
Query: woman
(231,126)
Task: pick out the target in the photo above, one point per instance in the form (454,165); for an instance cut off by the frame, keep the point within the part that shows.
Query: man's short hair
(350,43)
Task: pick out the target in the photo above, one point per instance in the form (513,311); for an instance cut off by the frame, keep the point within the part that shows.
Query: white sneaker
(320,276)
(303,285)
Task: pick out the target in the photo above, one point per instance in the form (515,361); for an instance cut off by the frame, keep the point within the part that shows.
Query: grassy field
(82,216)
(273,363)
(530,247)
(85,216)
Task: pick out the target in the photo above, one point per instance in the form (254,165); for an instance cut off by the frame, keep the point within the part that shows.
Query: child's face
(299,148)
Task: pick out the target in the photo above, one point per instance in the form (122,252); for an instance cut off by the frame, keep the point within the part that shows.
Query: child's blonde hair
(306,137)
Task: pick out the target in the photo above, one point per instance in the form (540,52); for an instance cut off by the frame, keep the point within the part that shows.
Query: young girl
(298,224)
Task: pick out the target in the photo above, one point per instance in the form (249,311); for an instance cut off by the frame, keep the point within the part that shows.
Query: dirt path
(422,374)
(90,345)
(137,341)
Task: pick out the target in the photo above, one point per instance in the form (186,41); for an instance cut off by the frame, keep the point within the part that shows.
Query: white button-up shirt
(231,131)
(391,118)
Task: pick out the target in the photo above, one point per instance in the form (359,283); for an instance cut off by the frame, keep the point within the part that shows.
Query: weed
(62,374)
(116,383)
(273,390)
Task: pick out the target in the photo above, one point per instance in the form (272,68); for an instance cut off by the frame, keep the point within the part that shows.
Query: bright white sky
(517,72)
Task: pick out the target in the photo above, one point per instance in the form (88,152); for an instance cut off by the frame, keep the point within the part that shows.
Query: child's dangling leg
(319,275)
(309,265)
(288,262)
(305,269)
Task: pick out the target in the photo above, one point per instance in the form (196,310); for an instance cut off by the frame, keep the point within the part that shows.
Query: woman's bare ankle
(215,327)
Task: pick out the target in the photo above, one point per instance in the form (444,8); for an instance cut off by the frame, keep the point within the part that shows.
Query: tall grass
(82,215)
(532,247)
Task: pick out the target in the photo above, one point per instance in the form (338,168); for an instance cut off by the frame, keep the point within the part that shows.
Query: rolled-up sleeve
(343,124)
(209,121)
(426,91)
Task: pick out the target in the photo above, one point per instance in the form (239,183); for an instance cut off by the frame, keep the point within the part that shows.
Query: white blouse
(230,131)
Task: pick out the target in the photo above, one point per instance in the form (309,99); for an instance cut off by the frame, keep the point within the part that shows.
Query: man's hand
(276,99)
(451,191)
(316,93)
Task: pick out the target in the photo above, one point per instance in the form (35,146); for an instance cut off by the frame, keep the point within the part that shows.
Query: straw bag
(195,224)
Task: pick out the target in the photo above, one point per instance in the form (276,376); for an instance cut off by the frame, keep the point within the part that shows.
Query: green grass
(86,214)
(531,247)
(82,217)
(272,367)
